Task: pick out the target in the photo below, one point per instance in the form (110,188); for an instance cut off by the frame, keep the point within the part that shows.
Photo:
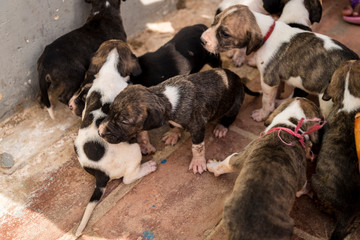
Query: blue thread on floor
(147,235)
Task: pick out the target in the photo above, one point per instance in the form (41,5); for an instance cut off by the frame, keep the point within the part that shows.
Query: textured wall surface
(27,26)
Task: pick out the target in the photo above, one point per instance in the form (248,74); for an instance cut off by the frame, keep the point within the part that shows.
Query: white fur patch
(350,102)
(294,110)
(109,83)
(295,12)
(328,42)
(107,4)
(172,93)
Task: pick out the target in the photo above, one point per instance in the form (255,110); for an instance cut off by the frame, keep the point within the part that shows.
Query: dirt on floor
(45,192)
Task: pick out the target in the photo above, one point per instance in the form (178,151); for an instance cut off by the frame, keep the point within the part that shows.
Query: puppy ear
(315,10)
(335,89)
(155,119)
(129,65)
(354,78)
(255,40)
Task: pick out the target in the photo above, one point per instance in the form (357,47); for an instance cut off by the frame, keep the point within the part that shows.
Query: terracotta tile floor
(44,194)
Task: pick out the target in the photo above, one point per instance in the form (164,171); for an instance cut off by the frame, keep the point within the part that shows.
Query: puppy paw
(172,136)
(212,166)
(220,131)
(148,167)
(259,115)
(147,148)
(239,57)
(198,165)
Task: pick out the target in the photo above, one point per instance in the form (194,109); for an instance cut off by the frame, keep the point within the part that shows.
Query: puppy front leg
(222,167)
(268,102)
(144,142)
(198,161)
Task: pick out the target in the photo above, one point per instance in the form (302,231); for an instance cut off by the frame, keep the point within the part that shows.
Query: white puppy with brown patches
(272,172)
(300,58)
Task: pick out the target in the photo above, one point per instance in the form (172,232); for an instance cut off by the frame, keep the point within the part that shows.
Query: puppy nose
(203,41)
(70,107)
(101,134)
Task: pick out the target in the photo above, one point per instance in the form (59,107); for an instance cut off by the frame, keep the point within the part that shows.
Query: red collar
(269,32)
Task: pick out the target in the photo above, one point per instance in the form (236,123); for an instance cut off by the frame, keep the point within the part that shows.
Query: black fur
(182,55)
(65,61)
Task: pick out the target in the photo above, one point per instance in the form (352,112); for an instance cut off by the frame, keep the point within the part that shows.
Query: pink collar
(269,32)
(301,136)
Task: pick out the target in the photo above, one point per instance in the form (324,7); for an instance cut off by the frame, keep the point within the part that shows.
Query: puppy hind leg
(139,172)
(101,181)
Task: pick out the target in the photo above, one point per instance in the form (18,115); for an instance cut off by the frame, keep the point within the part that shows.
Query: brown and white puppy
(271,174)
(337,179)
(275,8)
(301,58)
(185,101)
(64,62)
(103,160)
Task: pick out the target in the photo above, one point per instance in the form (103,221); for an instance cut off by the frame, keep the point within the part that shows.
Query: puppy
(337,180)
(103,160)
(272,170)
(65,61)
(188,102)
(301,58)
(182,55)
(275,8)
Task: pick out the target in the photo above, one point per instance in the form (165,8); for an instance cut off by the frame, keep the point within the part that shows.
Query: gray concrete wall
(27,26)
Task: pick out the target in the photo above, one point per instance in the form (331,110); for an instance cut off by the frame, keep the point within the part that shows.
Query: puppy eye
(224,34)
(125,122)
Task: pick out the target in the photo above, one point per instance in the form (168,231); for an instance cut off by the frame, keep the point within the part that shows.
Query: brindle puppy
(271,173)
(337,178)
(184,101)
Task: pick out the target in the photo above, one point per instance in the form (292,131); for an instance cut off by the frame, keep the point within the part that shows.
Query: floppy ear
(129,65)
(315,10)
(354,79)
(155,119)
(255,39)
(335,89)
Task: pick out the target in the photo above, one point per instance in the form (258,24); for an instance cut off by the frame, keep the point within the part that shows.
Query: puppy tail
(101,180)
(251,93)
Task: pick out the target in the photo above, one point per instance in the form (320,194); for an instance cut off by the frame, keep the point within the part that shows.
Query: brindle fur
(337,180)
(270,175)
(203,96)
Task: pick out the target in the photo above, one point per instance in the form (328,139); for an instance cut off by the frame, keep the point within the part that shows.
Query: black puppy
(182,55)
(65,61)
(184,101)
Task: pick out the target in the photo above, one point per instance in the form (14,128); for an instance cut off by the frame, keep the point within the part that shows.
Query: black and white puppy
(337,179)
(64,62)
(271,174)
(188,102)
(103,160)
(301,58)
(182,55)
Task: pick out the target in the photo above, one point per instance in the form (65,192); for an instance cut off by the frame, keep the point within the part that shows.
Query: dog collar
(302,137)
(269,32)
